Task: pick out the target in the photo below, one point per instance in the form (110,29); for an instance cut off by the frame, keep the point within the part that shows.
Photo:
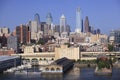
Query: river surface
(73,74)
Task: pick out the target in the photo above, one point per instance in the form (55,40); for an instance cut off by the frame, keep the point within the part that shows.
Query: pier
(59,66)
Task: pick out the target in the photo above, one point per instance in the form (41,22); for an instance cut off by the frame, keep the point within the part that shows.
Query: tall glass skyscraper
(49,19)
(78,20)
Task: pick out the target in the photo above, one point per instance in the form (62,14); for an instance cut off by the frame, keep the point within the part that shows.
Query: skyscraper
(82,26)
(23,34)
(37,19)
(62,24)
(78,20)
(12,42)
(98,31)
(33,26)
(86,24)
(49,19)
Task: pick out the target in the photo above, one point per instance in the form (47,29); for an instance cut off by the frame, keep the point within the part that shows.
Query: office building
(98,31)
(115,36)
(49,19)
(62,24)
(12,43)
(86,25)
(82,26)
(78,20)
(57,28)
(37,19)
(33,26)
(3,40)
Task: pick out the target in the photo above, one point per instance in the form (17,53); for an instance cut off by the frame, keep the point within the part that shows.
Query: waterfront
(73,74)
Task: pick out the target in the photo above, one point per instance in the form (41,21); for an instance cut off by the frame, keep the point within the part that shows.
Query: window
(47,69)
(52,69)
(58,69)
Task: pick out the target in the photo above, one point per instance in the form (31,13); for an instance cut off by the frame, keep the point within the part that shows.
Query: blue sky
(103,14)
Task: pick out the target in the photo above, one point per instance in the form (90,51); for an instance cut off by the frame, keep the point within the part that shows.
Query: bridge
(7,62)
(58,67)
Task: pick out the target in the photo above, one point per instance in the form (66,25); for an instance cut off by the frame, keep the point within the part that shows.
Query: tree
(42,41)
(110,47)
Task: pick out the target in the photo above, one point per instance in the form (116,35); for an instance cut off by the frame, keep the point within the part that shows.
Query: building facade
(115,36)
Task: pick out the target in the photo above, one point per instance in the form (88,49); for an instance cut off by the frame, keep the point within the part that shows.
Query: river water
(73,74)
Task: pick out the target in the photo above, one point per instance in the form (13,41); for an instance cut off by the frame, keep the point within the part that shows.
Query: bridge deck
(7,62)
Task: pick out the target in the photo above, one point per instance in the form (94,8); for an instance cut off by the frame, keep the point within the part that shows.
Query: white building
(62,24)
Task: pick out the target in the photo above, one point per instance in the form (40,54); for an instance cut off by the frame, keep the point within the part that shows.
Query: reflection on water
(73,74)
(53,77)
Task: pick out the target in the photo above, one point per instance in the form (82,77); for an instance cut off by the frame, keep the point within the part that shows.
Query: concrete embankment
(84,65)
(116,65)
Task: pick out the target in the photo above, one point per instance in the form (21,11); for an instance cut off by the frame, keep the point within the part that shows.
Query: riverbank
(82,65)
(103,72)
(93,65)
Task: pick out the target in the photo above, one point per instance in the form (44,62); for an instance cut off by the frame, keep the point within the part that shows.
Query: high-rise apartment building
(23,34)
(78,20)
(62,24)
(86,25)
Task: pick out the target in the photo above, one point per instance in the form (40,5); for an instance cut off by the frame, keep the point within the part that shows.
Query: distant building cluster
(47,35)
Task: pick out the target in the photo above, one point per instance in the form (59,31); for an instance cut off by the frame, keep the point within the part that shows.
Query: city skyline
(102,14)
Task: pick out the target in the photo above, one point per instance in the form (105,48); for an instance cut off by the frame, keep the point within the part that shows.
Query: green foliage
(114,60)
(41,41)
(104,64)
(78,60)
(110,47)
(87,61)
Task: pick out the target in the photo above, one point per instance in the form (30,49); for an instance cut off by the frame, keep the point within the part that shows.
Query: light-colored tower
(37,19)
(78,20)
(5,30)
(33,26)
(62,24)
